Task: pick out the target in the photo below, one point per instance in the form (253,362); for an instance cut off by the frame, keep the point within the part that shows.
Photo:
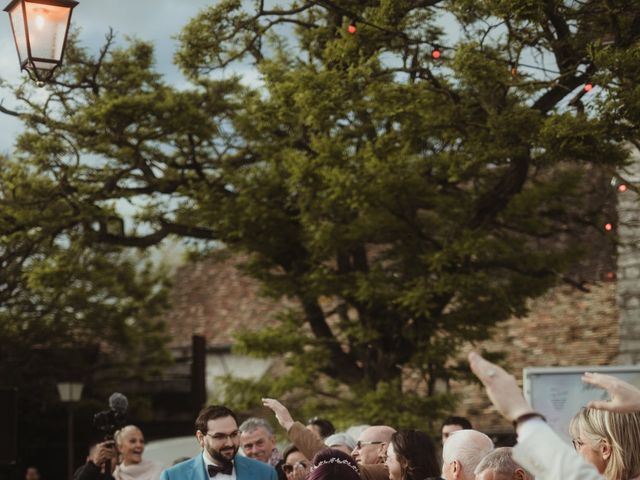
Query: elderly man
(258,441)
(462,453)
(371,447)
(499,465)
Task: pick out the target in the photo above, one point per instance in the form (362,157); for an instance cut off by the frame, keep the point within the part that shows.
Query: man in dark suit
(218,435)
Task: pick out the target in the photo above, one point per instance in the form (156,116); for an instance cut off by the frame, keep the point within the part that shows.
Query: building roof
(214,299)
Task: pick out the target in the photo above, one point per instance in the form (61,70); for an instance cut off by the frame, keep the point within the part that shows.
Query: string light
(436,53)
(610,276)
(514,71)
(352,27)
(588,87)
(622,188)
(608,227)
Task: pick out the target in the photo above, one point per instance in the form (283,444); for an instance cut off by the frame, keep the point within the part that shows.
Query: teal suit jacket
(195,469)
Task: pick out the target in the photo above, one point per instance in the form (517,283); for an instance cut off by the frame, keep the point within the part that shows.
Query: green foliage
(406,204)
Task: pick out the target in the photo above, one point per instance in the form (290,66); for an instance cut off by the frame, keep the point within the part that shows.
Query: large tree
(408,203)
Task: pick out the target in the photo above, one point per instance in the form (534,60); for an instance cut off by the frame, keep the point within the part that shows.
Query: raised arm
(540,450)
(306,441)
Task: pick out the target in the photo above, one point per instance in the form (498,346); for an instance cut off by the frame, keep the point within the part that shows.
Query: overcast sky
(156,20)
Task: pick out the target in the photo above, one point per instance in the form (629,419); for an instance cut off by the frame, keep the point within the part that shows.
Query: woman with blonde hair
(610,441)
(131,466)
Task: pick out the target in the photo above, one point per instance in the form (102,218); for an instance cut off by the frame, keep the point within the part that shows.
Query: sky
(158,21)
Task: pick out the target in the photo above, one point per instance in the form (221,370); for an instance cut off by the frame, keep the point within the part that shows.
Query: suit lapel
(199,470)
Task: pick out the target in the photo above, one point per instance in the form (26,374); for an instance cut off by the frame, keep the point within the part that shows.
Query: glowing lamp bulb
(588,87)
(608,227)
(622,188)
(352,28)
(436,54)
(40,22)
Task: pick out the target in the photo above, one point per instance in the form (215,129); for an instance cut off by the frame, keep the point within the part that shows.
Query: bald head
(462,453)
(372,444)
(499,465)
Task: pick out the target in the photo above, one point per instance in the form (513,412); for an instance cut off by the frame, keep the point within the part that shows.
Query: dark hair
(210,413)
(334,464)
(416,454)
(288,451)
(325,426)
(463,422)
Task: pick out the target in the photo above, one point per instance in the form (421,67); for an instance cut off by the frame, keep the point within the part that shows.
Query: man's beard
(220,458)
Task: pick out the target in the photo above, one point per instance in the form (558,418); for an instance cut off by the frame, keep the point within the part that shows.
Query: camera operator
(95,467)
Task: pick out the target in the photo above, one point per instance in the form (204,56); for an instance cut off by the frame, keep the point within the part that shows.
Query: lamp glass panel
(70,391)
(47,26)
(17,23)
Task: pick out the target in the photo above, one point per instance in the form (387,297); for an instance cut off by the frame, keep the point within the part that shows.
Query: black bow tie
(227,469)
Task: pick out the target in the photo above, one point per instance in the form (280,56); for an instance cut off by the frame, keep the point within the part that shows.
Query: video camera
(108,421)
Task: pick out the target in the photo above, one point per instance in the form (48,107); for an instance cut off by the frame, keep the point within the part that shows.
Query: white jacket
(543,453)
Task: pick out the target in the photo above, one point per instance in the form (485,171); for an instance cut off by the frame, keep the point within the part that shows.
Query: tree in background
(410,189)
(69,311)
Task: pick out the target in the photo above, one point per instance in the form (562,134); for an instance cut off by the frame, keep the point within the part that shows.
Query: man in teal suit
(218,434)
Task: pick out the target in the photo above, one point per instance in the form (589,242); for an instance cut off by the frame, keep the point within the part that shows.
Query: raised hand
(282,413)
(625,398)
(502,388)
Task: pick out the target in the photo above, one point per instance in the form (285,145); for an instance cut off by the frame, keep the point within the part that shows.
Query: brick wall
(565,327)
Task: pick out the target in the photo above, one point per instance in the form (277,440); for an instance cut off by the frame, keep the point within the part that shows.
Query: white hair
(501,462)
(467,447)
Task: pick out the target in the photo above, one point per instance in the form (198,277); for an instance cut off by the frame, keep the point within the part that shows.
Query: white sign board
(558,393)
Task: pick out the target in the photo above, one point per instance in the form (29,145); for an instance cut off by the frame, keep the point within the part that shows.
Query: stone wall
(629,262)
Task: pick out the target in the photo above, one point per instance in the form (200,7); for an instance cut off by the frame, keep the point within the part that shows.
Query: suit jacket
(195,469)
(547,457)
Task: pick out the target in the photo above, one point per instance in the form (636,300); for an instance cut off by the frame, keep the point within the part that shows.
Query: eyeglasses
(360,444)
(221,437)
(288,468)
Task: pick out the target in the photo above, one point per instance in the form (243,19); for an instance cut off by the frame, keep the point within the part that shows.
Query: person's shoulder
(182,466)
(255,465)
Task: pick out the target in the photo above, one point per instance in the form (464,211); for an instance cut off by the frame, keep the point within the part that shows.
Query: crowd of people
(606,444)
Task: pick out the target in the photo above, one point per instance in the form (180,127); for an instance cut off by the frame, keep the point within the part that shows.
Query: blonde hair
(119,435)
(620,430)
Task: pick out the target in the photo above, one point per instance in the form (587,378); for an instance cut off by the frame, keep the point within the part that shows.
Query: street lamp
(40,29)
(70,392)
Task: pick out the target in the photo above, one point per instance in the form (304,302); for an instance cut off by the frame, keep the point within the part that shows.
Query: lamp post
(40,29)
(70,392)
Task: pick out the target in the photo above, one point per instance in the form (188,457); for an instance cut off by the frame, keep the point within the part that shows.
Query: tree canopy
(408,203)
